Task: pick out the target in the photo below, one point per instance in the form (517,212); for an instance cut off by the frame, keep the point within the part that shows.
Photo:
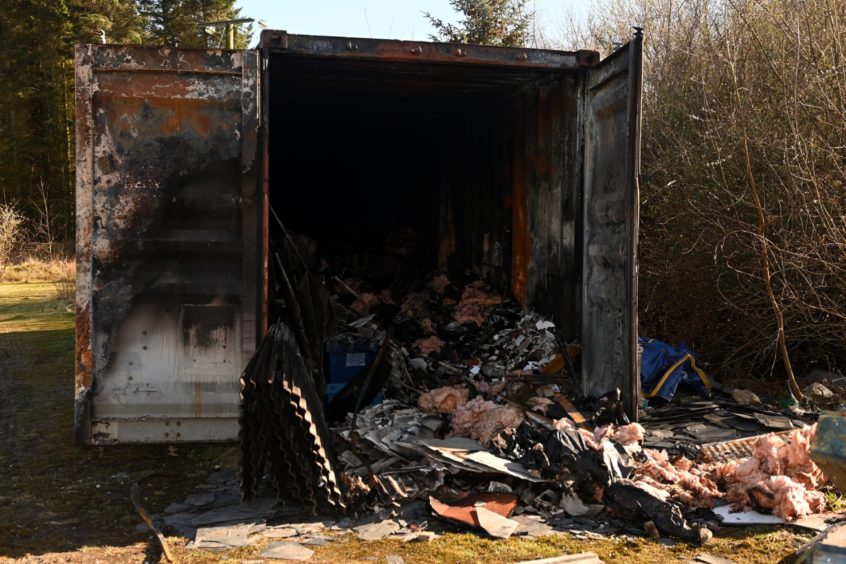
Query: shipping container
(519,163)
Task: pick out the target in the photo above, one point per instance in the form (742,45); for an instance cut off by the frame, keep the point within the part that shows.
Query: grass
(63,503)
(835,500)
(748,545)
(33,270)
(56,497)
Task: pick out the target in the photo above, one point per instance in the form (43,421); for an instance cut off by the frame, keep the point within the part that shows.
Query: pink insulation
(482,419)
(474,295)
(473,302)
(440,282)
(429,345)
(779,477)
(590,440)
(468,313)
(686,482)
(624,434)
(364,303)
(489,388)
(564,424)
(443,400)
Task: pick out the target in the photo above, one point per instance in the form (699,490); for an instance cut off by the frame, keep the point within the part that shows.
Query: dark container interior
(473,164)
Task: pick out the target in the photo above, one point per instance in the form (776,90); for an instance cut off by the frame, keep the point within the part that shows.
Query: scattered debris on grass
(456,410)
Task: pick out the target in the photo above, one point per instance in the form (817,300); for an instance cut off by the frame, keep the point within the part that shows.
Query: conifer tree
(486,22)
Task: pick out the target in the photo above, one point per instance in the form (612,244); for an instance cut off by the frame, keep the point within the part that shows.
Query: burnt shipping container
(520,163)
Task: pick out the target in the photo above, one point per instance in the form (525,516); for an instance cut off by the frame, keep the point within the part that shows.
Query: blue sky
(386,19)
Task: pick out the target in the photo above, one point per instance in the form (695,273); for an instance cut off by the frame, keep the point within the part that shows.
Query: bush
(743,212)
(11,234)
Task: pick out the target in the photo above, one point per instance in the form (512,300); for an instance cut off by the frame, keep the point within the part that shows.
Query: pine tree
(505,23)
(37,77)
(179,21)
(118,20)
(34,146)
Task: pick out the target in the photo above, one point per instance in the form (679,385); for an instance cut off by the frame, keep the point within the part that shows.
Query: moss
(835,500)
(752,545)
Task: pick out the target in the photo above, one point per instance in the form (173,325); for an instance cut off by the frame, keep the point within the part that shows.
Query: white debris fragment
(573,506)
(287,551)
(495,524)
(544,324)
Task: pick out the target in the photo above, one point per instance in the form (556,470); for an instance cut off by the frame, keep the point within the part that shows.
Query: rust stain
(82,374)
(197,402)
(173,115)
(163,87)
(521,241)
(411,51)
(185,112)
(142,60)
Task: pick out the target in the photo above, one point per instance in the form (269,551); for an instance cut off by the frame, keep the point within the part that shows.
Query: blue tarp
(663,368)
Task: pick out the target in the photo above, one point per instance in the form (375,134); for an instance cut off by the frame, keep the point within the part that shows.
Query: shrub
(11,234)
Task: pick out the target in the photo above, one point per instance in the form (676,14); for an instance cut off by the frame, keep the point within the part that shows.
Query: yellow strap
(669,371)
(700,373)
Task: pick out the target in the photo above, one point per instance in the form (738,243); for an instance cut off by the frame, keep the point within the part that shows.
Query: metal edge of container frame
(110,196)
(394,50)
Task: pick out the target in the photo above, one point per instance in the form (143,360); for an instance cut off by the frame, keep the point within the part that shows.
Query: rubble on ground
(461,401)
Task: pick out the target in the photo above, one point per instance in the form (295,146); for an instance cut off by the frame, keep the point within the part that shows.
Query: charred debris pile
(383,382)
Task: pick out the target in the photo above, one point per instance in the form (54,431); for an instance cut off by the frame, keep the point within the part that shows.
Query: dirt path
(56,497)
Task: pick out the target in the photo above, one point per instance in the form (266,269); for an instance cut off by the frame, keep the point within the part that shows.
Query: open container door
(611,200)
(167,242)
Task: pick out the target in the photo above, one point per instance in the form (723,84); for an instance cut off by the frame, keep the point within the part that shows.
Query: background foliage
(505,23)
(36,85)
(718,73)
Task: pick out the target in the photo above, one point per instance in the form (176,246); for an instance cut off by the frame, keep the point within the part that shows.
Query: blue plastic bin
(345,361)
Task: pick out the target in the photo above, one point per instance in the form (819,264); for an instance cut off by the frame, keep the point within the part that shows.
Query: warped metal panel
(609,279)
(166,241)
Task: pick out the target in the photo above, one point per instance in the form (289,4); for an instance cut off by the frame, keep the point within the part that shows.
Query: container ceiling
(311,76)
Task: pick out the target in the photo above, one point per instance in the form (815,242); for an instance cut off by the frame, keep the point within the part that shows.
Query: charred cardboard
(465,511)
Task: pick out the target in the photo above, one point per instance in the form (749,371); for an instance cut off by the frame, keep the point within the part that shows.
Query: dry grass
(752,545)
(62,272)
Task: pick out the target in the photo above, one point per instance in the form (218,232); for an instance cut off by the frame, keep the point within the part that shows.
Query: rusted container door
(609,279)
(167,226)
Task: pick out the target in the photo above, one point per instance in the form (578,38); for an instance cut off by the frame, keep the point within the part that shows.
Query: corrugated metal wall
(521,203)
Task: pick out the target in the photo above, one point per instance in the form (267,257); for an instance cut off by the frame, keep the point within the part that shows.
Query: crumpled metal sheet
(283,427)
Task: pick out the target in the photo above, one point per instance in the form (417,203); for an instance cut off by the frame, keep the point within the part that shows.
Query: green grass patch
(56,496)
(749,545)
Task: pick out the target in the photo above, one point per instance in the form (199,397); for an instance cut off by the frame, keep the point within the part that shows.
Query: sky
(383,19)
